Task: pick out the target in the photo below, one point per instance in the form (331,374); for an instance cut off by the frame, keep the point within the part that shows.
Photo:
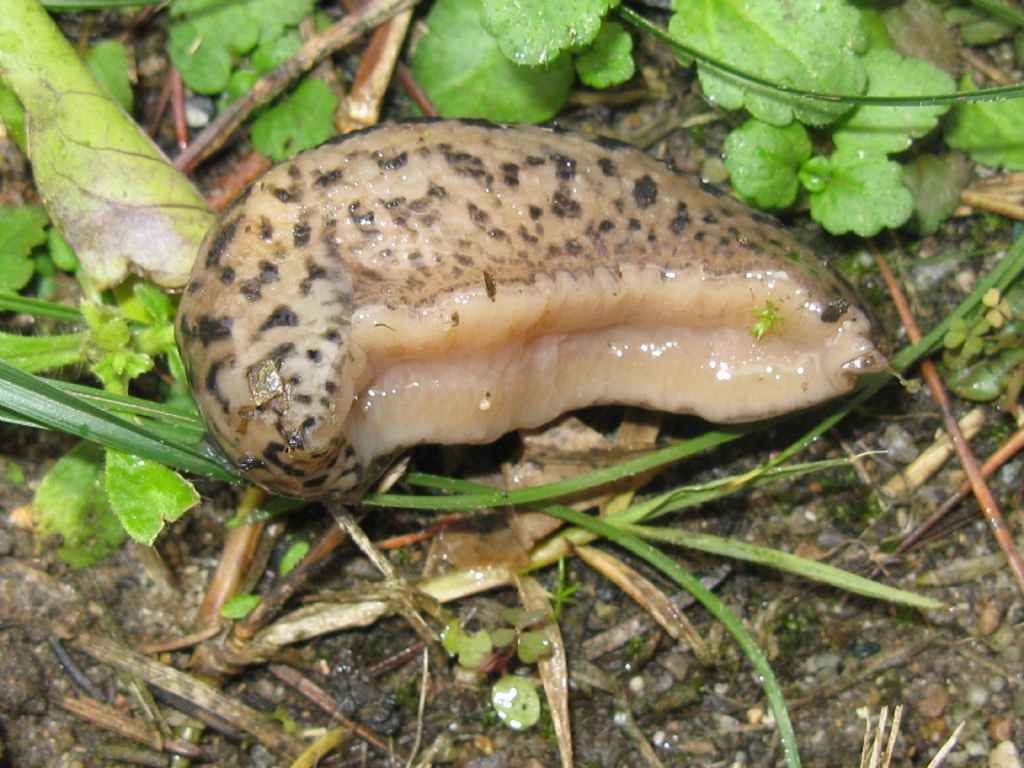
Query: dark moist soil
(839,657)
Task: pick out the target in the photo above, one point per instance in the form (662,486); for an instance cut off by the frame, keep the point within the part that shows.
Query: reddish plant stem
(989,507)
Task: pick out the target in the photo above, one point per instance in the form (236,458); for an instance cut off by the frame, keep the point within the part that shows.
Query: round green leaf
(516,702)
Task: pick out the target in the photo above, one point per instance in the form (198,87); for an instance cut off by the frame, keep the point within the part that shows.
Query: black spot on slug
(681,220)
(211,329)
(835,310)
(535,212)
(213,388)
(489,286)
(534,160)
(709,218)
(564,207)
(250,289)
(476,215)
(328,179)
(607,166)
(511,174)
(711,189)
(282,316)
(300,234)
(227,276)
(268,272)
(220,243)
(315,482)
(393,163)
(606,225)
(525,235)
(645,192)
(286,195)
(565,167)
(266,230)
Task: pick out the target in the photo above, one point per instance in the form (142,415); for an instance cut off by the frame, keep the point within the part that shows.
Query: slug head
(263,331)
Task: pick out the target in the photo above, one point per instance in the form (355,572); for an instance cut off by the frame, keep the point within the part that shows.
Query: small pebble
(637,685)
(934,701)
(899,443)
(997,683)
(1004,755)
(928,276)
(977,696)
(198,111)
(677,665)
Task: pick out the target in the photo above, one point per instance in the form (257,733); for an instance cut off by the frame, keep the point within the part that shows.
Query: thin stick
(1004,453)
(235,713)
(989,507)
(326,702)
(346,31)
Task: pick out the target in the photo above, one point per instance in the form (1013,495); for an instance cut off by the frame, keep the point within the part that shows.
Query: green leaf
(609,61)
(41,353)
(239,606)
(13,116)
(860,192)
(291,558)
(207,38)
(986,379)
(763,160)
(805,44)
(471,648)
(108,61)
(144,494)
(532,647)
(71,503)
(302,120)
(63,257)
(465,74)
(13,473)
(989,133)
(516,702)
(891,129)
(276,51)
(21,229)
(534,32)
(156,303)
(936,181)
(107,187)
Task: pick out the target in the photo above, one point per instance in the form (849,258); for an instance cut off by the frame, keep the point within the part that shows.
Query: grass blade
(35,401)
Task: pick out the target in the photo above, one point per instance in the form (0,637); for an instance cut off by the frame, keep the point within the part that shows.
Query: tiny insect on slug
(447,282)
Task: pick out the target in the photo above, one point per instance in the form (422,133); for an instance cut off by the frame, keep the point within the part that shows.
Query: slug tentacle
(450,281)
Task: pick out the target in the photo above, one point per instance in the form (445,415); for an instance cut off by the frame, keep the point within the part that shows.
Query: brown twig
(178,109)
(1004,453)
(289,585)
(235,713)
(346,31)
(326,702)
(989,507)
(366,95)
(130,727)
(402,73)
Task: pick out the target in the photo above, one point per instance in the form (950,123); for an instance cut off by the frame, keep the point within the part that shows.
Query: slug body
(446,282)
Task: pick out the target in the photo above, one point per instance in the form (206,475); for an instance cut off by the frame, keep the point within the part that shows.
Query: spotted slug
(447,282)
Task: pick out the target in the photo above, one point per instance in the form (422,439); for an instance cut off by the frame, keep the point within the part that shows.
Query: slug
(449,281)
